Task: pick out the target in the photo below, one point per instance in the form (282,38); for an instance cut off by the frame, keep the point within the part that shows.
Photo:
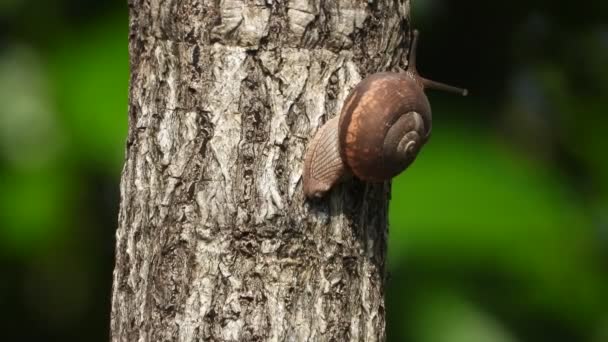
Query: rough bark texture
(215,240)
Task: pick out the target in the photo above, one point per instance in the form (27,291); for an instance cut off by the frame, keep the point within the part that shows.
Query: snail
(384,122)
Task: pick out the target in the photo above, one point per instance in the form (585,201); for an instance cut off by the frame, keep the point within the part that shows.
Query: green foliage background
(499,231)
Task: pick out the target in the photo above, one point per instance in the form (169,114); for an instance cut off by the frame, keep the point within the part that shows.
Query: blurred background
(499,231)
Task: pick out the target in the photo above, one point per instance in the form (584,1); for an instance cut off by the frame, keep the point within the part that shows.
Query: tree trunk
(216,241)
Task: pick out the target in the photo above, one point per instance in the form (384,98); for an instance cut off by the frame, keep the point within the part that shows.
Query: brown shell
(372,107)
(402,142)
(323,166)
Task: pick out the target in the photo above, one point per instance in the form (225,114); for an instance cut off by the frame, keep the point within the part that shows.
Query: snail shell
(324,166)
(384,122)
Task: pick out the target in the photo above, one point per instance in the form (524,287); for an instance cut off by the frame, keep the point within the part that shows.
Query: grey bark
(215,240)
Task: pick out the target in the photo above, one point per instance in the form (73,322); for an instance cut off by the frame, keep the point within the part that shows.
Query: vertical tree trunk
(215,240)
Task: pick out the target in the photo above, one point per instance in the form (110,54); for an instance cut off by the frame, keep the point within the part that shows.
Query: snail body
(384,122)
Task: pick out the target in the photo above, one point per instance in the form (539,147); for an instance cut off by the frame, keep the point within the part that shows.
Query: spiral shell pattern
(385,121)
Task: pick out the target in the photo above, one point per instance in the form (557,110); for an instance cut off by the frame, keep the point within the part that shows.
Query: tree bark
(216,241)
